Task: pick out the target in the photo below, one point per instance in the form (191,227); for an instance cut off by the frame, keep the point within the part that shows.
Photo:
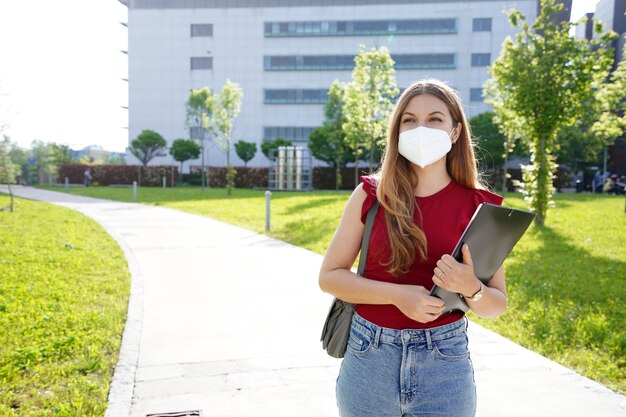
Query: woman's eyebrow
(430,114)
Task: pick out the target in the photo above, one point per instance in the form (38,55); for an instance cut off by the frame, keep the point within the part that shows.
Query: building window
(197,132)
(481,24)
(346,62)
(481,60)
(295,96)
(201,63)
(292,133)
(361,27)
(476,94)
(424,61)
(205,29)
(311,62)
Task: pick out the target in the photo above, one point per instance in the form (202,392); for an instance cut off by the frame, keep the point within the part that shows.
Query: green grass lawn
(64,287)
(566,281)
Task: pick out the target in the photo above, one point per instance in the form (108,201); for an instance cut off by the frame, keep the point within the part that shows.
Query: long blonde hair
(397,181)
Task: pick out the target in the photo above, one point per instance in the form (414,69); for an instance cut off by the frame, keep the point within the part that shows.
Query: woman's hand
(415,302)
(457,277)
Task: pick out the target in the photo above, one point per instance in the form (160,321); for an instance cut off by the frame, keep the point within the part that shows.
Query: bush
(151,176)
(324,178)
(246,177)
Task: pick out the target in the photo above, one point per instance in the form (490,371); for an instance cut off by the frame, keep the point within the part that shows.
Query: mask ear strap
(452,131)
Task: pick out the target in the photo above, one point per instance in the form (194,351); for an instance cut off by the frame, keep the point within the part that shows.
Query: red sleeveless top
(445,215)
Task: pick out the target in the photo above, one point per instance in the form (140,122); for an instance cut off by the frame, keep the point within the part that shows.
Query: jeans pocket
(359,341)
(452,349)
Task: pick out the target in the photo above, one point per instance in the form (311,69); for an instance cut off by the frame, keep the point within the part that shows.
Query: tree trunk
(202,148)
(228,167)
(506,160)
(543,176)
(372,150)
(11,194)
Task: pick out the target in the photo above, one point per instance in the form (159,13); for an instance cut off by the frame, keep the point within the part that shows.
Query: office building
(285,55)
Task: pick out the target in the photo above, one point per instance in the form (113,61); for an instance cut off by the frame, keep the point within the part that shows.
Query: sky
(61,71)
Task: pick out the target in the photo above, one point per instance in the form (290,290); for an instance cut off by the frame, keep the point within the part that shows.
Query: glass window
(360,27)
(205,29)
(476,94)
(295,96)
(201,63)
(424,61)
(292,133)
(346,62)
(481,60)
(309,62)
(197,132)
(482,24)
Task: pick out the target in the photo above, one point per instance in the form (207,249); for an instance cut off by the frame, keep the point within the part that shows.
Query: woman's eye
(435,119)
(407,120)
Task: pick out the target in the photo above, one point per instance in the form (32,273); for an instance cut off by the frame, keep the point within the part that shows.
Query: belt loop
(377,336)
(429,342)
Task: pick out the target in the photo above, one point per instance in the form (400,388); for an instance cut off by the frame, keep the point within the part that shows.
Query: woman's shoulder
(368,184)
(487,196)
(482,195)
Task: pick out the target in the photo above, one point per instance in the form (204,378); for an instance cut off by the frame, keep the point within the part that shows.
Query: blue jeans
(406,373)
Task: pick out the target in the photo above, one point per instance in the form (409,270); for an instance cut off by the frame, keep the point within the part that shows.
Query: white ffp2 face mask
(423,145)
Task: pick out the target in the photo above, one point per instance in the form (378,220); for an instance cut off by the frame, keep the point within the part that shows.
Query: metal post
(134,191)
(67,183)
(268,199)
(164,182)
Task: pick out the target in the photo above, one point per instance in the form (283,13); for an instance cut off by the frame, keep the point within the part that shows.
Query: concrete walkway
(227,321)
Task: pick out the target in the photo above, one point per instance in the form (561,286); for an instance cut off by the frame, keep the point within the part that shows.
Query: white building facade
(285,55)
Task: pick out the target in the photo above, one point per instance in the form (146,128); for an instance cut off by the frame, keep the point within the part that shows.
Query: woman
(404,357)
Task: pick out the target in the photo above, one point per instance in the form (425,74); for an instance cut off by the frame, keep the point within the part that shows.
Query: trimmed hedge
(324,178)
(247,177)
(151,176)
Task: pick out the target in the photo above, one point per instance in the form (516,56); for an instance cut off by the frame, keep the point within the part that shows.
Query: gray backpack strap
(365,243)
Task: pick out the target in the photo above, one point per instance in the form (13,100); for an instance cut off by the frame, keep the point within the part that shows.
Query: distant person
(87,178)
(579,181)
(598,182)
(404,356)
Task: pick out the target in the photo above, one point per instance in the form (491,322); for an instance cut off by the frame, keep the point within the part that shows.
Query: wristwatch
(478,295)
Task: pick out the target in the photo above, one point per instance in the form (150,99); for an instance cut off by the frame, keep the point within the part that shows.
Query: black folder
(490,235)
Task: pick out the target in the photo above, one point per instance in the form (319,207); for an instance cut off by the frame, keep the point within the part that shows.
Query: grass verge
(64,287)
(566,280)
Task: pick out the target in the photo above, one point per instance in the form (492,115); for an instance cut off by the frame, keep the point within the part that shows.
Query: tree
(579,143)
(493,147)
(369,102)
(612,98)
(245,151)
(222,110)
(43,155)
(147,146)
(328,142)
(542,79)
(196,112)
(115,159)
(269,147)
(8,169)
(183,150)
(489,140)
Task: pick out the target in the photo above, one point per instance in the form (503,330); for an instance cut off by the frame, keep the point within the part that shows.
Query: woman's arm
(337,279)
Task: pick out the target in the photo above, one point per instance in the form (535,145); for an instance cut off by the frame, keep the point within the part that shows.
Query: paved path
(227,321)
